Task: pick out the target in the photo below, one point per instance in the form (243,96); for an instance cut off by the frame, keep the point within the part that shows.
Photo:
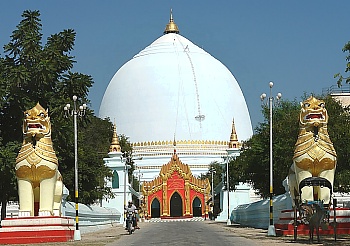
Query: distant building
(342,94)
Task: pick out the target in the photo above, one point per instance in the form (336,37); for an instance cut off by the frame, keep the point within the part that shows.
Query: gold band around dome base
(180,142)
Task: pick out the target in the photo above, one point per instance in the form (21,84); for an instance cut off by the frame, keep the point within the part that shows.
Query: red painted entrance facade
(176,192)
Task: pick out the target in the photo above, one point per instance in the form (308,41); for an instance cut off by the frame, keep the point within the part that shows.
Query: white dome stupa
(173,88)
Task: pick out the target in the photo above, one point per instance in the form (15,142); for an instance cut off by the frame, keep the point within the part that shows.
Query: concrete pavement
(116,235)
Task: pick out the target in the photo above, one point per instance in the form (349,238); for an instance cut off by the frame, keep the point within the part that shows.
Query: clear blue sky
(295,44)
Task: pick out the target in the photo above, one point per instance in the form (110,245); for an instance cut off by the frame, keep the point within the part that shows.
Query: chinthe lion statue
(39,181)
(311,175)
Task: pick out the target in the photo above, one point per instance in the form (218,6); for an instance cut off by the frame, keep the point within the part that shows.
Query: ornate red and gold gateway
(176,193)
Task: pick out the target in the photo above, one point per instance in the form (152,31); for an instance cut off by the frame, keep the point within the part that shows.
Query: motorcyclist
(132,208)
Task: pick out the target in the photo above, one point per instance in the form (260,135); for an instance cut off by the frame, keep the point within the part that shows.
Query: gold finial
(233,138)
(171,27)
(115,146)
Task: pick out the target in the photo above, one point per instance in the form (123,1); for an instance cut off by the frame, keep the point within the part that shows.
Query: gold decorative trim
(180,142)
(35,173)
(159,167)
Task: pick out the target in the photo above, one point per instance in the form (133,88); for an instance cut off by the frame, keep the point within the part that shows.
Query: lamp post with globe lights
(271,230)
(126,159)
(228,190)
(75,112)
(205,202)
(212,170)
(139,179)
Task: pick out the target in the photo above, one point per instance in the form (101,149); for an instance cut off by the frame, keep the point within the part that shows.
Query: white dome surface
(158,94)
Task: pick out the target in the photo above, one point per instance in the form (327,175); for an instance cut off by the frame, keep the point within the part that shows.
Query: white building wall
(116,163)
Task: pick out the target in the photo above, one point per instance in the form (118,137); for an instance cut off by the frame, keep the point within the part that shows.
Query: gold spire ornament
(171,27)
(115,146)
(233,138)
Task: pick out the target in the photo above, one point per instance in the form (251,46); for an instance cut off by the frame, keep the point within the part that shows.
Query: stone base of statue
(285,224)
(28,230)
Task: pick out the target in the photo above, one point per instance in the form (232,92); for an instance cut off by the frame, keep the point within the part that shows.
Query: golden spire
(115,146)
(233,138)
(171,27)
(174,144)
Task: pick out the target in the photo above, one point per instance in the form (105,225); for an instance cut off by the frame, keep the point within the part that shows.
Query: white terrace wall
(257,214)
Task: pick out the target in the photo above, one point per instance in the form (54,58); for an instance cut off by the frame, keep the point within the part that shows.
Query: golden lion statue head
(313,113)
(36,122)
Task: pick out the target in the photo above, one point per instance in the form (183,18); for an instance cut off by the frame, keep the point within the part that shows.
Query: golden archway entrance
(177,191)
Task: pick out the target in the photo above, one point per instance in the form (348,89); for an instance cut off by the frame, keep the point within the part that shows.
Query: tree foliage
(218,172)
(93,145)
(7,181)
(253,164)
(339,132)
(126,149)
(340,77)
(32,72)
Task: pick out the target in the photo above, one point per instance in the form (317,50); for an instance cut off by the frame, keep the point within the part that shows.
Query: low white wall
(91,218)
(257,214)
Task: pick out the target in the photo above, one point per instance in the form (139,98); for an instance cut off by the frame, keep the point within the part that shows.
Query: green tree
(252,165)
(340,77)
(127,155)
(32,72)
(218,173)
(8,180)
(339,132)
(92,147)
(128,158)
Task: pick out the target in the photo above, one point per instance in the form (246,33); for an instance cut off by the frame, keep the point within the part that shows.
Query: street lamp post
(75,112)
(146,201)
(212,192)
(205,202)
(126,161)
(271,230)
(228,191)
(139,176)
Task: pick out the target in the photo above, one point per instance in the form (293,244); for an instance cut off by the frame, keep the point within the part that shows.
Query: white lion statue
(39,181)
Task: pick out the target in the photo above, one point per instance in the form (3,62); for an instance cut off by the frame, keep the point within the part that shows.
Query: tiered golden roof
(183,170)
(233,144)
(115,146)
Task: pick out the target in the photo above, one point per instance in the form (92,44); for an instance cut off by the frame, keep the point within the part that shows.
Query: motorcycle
(130,222)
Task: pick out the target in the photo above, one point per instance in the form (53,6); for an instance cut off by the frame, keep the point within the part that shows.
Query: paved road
(182,233)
